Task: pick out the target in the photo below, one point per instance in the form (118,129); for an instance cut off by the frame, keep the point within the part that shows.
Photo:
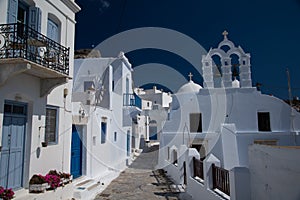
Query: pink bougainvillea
(53,180)
(6,194)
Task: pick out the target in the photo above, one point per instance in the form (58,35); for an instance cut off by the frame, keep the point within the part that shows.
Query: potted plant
(53,179)
(6,194)
(44,144)
(66,177)
(38,183)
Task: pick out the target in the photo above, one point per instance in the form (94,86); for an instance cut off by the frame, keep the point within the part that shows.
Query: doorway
(12,147)
(76,151)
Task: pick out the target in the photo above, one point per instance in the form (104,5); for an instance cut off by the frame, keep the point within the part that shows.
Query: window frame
(260,126)
(200,123)
(115,136)
(54,20)
(103,134)
(56,125)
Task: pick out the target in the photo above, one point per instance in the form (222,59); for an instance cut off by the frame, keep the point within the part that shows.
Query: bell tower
(226,51)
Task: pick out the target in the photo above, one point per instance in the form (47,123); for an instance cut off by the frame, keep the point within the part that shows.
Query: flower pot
(44,144)
(38,187)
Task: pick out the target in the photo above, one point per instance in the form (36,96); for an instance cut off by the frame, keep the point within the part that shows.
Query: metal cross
(190,75)
(225,33)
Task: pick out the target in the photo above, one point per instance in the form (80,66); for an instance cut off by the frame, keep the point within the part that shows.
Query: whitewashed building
(205,142)
(103,108)
(36,64)
(155,109)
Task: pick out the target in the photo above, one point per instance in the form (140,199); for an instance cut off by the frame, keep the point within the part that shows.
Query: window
(263,121)
(195,122)
(115,136)
(53,30)
(23,11)
(103,132)
(175,162)
(51,133)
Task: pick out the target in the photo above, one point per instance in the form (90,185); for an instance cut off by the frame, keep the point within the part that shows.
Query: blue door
(76,152)
(153,130)
(12,151)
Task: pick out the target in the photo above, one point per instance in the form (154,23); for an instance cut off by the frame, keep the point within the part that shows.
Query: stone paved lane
(140,181)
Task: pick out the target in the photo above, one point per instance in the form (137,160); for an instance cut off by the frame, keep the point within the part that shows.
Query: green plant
(37,179)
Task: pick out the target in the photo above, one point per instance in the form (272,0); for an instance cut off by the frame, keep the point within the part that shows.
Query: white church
(211,140)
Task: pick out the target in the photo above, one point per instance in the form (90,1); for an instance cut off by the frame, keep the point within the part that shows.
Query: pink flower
(53,180)
(6,194)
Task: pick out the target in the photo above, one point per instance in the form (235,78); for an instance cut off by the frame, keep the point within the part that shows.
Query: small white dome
(189,87)
(235,83)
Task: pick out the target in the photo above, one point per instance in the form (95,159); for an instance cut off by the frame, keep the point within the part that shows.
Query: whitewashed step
(86,189)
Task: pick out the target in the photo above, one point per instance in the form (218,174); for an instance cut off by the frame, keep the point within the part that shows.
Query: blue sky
(268,30)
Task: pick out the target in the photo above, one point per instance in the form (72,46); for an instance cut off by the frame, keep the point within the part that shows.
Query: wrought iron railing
(132,100)
(221,179)
(20,41)
(198,168)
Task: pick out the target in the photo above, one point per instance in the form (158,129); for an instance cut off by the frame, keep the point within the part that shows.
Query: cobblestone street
(140,181)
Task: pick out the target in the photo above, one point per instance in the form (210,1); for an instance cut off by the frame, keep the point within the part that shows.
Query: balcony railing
(132,100)
(198,168)
(20,41)
(221,179)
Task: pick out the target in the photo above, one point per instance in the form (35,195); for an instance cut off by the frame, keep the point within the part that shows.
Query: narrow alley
(141,181)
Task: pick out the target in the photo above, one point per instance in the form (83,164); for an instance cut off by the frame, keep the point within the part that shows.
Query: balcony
(132,100)
(132,107)
(24,50)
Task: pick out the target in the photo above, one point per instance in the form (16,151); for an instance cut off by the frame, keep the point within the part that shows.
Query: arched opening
(217,71)
(225,48)
(54,28)
(235,66)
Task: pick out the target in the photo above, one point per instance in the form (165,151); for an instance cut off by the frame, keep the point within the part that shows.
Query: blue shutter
(52,30)
(35,18)
(12,11)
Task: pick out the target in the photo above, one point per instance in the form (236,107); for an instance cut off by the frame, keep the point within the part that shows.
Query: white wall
(274,172)
(237,107)
(54,156)
(111,155)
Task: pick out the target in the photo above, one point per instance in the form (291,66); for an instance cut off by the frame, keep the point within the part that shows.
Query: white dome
(189,87)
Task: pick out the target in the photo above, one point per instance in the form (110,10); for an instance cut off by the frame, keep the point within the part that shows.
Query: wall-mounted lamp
(66,91)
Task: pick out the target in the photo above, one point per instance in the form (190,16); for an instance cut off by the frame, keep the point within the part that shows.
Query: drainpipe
(147,129)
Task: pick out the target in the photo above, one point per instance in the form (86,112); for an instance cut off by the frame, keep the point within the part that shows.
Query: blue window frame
(53,30)
(12,11)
